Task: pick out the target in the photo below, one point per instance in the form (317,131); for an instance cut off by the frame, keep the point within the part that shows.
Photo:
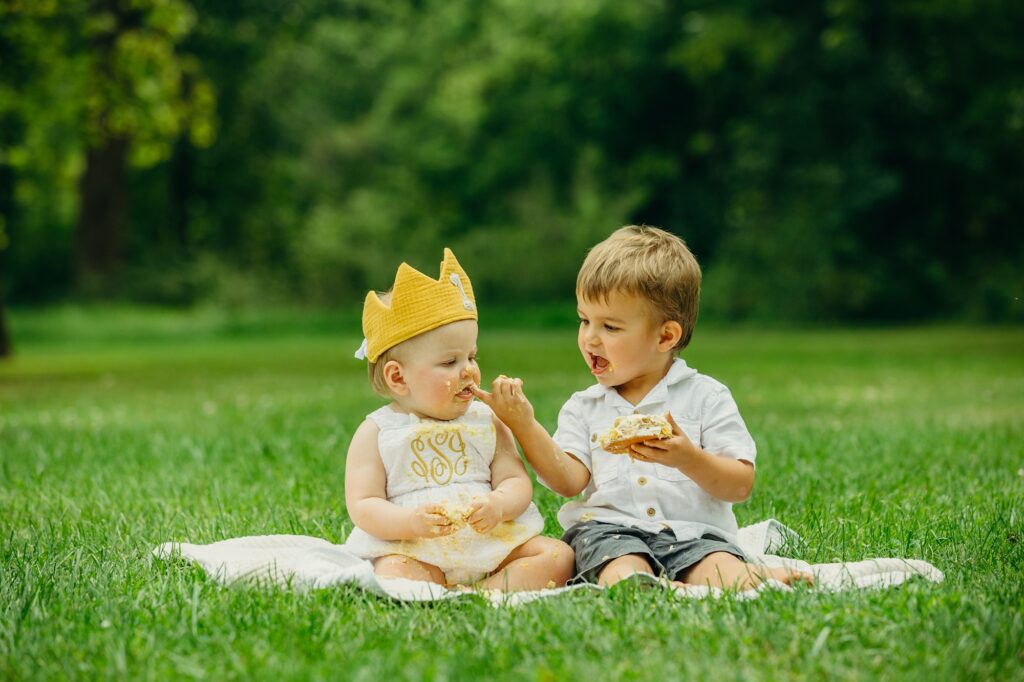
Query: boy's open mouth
(598,365)
(465,393)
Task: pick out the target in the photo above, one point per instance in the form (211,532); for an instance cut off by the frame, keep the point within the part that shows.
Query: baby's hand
(507,400)
(430,521)
(485,513)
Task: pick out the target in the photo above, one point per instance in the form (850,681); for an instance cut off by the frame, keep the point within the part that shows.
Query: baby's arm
(511,488)
(366,496)
(562,472)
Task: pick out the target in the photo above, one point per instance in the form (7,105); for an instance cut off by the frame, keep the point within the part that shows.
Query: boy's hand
(430,521)
(676,452)
(507,400)
(485,513)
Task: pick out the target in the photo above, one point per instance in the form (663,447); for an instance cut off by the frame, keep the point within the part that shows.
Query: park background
(839,161)
(195,196)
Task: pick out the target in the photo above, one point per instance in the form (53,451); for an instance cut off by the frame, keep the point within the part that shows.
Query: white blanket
(306,562)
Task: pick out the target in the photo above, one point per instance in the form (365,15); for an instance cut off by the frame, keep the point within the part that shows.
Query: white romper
(447,463)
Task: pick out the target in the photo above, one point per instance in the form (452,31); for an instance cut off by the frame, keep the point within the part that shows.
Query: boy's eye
(584,322)
(448,363)
(611,328)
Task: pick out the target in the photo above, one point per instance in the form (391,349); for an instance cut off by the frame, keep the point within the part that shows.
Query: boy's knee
(622,567)
(718,569)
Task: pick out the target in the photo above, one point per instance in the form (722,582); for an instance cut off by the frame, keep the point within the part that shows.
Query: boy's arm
(727,479)
(366,496)
(562,472)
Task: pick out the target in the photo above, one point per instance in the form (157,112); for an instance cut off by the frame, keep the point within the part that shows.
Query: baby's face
(439,366)
(618,338)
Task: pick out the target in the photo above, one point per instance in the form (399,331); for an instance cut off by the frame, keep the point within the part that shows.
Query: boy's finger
(656,444)
(480,393)
(672,422)
(643,451)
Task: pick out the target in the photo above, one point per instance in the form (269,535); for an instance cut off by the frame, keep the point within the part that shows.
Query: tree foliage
(840,160)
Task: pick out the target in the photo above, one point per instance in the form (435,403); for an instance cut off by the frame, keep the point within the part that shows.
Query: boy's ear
(671,333)
(394,379)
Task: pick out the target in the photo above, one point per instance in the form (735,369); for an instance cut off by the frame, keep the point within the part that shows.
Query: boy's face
(622,343)
(437,368)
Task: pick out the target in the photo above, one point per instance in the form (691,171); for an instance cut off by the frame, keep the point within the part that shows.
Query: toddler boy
(666,507)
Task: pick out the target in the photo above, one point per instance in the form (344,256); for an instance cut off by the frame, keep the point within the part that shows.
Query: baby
(433,481)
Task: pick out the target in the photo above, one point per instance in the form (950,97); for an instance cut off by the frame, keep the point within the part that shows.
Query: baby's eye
(611,328)
(584,322)
(448,363)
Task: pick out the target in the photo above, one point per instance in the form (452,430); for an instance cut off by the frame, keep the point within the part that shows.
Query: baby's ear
(394,378)
(671,332)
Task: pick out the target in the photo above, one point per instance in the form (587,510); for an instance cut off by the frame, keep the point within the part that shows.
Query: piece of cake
(634,428)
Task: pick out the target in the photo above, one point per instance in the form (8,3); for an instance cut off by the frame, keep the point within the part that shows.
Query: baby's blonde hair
(375,370)
(650,263)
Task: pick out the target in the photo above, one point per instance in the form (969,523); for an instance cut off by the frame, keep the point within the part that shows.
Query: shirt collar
(677,371)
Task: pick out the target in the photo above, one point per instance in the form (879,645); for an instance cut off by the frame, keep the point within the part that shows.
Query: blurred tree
(103,78)
(843,160)
(139,92)
(5,338)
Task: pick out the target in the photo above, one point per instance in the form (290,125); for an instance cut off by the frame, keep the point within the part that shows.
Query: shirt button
(642,480)
(650,511)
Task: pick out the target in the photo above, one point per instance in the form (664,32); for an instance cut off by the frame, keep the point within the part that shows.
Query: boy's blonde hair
(647,262)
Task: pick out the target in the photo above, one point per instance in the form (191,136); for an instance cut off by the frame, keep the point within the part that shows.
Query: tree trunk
(181,190)
(5,339)
(103,196)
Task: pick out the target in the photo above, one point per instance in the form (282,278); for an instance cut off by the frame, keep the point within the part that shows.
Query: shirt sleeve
(573,433)
(723,431)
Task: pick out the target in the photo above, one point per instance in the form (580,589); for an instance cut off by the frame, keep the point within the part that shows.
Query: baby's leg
(398,566)
(622,567)
(537,563)
(721,569)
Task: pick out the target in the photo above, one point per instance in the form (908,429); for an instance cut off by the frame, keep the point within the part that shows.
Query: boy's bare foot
(787,576)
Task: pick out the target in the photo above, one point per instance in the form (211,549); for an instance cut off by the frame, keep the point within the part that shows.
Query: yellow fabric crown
(418,304)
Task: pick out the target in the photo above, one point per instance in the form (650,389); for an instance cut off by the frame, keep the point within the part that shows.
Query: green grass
(122,430)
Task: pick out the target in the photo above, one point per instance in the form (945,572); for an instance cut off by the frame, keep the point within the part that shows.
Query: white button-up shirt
(646,495)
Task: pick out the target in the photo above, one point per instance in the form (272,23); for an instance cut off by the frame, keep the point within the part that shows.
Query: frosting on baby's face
(437,369)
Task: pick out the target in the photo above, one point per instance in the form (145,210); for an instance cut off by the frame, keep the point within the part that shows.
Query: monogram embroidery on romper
(447,452)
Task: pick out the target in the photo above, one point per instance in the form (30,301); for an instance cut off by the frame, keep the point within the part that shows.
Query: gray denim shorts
(596,544)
